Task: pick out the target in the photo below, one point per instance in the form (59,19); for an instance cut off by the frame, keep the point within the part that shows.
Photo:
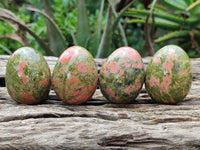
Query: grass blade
(5,49)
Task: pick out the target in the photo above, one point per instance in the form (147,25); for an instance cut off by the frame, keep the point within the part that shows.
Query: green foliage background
(66,14)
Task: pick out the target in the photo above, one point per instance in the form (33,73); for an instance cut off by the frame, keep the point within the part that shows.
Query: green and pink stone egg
(28,77)
(122,75)
(169,75)
(75,76)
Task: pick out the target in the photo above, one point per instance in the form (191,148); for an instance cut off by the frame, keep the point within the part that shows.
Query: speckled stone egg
(28,76)
(122,75)
(75,76)
(169,75)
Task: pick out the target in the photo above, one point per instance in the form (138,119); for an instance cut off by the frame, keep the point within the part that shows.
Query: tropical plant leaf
(177,4)
(152,6)
(83,30)
(105,45)
(160,8)
(56,39)
(13,37)
(95,40)
(115,22)
(23,26)
(173,35)
(73,37)
(163,18)
(11,15)
(122,33)
(164,25)
(48,9)
(158,15)
(149,29)
(194,11)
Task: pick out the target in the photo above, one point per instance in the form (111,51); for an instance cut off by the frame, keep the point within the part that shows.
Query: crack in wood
(131,140)
(58,115)
(171,120)
(2,82)
(193,143)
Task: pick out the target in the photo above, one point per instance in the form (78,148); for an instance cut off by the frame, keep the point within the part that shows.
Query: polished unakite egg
(169,75)
(122,75)
(28,76)
(75,76)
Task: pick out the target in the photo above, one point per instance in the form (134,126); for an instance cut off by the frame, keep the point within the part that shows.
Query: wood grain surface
(99,124)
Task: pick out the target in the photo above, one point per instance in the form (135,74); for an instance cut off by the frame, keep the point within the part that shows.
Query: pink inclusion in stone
(109,92)
(157,60)
(153,81)
(26,96)
(82,67)
(68,54)
(44,82)
(114,67)
(168,66)
(20,69)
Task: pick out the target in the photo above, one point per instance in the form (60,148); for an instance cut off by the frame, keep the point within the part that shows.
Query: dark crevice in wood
(194,144)
(57,115)
(130,140)
(172,120)
(2,82)
(47,115)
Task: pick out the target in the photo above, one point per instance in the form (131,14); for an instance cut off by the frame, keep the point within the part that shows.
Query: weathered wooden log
(99,124)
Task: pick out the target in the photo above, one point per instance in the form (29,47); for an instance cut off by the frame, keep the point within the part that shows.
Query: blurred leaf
(48,9)
(5,49)
(149,29)
(13,37)
(9,14)
(152,7)
(6,17)
(74,38)
(68,3)
(162,24)
(56,40)
(113,2)
(173,35)
(119,16)
(177,4)
(159,16)
(97,33)
(122,33)
(83,31)
(194,10)
(104,49)
(160,8)
(162,18)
